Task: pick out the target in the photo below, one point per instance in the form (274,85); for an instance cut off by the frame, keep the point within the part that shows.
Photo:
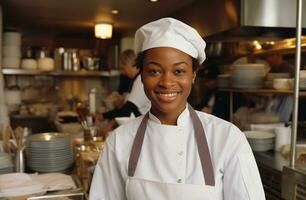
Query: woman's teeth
(167,94)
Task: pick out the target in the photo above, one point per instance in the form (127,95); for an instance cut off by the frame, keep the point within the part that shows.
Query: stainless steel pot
(91,63)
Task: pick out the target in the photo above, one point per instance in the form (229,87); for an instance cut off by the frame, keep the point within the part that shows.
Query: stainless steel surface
(271,159)
(75,194)
(294,184)
(19,161)
(84,73)
(269,13)
(296,82)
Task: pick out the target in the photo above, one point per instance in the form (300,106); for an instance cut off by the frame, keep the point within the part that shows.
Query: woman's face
(167,77)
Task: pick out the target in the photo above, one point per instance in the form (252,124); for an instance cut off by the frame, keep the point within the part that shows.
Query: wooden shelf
(261,91)
(82,73)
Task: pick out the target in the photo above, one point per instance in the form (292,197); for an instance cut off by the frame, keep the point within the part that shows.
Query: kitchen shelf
(282,51)
(256,91)
(261,91)
(284,47)
(82,73)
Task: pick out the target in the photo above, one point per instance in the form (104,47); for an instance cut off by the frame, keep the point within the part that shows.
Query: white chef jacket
(169,154)
(138,97)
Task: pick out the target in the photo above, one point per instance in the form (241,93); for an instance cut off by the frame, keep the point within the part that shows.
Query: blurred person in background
(282,104)
(135,102)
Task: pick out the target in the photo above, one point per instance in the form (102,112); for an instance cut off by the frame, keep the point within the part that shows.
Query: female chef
(174,152)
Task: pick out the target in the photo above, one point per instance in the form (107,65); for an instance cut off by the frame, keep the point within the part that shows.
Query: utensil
(19,162)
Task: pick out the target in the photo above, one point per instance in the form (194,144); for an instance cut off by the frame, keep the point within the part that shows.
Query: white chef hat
(169,32)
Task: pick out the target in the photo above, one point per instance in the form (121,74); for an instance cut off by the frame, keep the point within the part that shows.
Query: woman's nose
(166,80)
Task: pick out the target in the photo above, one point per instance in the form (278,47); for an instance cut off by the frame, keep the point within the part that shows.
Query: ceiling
(80,15)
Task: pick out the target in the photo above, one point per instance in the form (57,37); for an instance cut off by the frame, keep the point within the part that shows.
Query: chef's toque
(169,32)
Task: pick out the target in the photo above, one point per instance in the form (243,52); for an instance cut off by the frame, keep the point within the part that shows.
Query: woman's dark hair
(141,56)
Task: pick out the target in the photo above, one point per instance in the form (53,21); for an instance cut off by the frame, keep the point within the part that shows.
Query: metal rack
(294,179)
(82,73)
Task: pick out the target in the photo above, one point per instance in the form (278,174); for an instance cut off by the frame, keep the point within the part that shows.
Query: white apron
(140,189)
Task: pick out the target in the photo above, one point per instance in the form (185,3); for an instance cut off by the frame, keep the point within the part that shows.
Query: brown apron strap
(136,148)
(203,149)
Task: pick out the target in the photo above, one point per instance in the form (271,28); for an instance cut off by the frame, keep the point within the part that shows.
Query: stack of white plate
(49,152)
(248,75)
(6,163)
(224,81)
(11,51)
(260,140)
(303,79)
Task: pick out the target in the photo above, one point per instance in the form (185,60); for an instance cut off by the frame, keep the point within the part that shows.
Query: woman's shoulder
(219,126)
(123,136)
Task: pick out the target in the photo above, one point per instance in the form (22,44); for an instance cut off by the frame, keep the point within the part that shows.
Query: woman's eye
(179,72)
(153,72)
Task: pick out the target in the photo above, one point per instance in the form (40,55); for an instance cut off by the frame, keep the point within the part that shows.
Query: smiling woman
(174,152)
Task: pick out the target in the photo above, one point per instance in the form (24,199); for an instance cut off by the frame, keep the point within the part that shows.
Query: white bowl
(303,74)
(29,63)
(45,64)
(260,140)
(283,83)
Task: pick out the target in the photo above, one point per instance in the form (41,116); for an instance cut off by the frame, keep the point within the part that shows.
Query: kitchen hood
(270,13)
(246,18)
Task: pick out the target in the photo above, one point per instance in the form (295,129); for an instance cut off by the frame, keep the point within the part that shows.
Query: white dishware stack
(303,79)
(11,52)
(224,80)
(248,75)
(260,140)
(49,152)
(6,163)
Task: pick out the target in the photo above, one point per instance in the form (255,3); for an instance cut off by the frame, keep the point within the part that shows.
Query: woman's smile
(167,97)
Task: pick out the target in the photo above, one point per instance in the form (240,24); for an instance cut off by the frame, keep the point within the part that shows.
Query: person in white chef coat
(174,152)
(136,101)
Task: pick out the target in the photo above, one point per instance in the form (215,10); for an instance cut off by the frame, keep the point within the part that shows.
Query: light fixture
(103,30)
(115,12)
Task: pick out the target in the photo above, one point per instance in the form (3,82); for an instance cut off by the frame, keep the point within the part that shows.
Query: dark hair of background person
(124,82)
(126,57)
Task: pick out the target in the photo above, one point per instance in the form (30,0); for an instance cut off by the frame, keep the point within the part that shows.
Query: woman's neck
(167,118)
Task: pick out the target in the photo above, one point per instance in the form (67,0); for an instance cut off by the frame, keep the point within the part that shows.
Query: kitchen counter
(271,159)
(275,160)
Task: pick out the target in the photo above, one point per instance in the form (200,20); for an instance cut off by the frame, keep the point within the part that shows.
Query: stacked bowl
(248,75)
(303,79)
(260,140)
(11,52)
